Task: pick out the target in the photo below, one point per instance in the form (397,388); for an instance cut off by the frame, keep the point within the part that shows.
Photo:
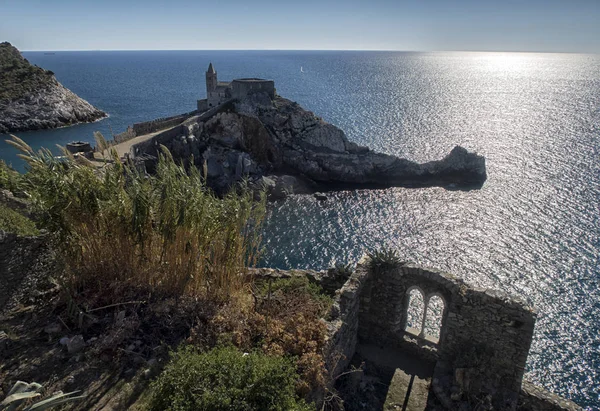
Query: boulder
(279,187)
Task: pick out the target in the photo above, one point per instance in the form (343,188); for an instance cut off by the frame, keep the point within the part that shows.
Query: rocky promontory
(31,98)
(278,144)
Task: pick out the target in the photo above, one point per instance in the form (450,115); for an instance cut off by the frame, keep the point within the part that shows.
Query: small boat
(49,54)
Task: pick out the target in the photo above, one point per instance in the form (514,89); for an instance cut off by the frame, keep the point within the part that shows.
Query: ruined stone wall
(486,344)
(343,323)
(485,336)
(534,398)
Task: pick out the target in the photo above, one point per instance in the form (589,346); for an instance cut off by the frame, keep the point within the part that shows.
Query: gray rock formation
(279,145)
(31,98)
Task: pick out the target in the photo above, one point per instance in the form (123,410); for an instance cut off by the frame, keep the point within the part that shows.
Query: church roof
(211,69)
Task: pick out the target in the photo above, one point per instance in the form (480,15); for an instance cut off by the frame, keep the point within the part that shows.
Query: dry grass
(121,228)
(286,323)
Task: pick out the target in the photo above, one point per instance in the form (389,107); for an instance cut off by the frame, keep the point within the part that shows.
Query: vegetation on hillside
(17,76)
(14,222)
(166,233)
(10,220)
(170,259)
(226,379)
(10,179)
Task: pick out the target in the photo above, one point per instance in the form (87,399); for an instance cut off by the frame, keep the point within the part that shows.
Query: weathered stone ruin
(483,342)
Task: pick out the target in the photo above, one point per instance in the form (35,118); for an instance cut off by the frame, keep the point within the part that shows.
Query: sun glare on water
(508,63)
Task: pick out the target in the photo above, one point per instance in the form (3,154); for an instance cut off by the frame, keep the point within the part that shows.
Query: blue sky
(506,25)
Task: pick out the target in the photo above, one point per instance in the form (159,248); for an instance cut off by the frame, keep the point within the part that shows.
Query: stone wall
(160,123)
(244,87)
(343,323)
(484,337)
(534,398)
(202,105)
(146,127)
(149,149)
(486,344)
(124,136)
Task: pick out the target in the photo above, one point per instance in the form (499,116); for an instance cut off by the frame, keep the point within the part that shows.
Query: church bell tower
(211,79)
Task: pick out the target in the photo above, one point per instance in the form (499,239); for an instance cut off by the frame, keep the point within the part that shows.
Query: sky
(416,25)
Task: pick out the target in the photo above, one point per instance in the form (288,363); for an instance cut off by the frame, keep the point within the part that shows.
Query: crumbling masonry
(484,340)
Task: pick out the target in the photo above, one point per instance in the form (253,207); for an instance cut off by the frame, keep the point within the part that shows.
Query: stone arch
(435,314)
(414,314)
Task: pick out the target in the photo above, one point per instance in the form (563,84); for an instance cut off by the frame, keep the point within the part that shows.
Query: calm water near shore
(532,230)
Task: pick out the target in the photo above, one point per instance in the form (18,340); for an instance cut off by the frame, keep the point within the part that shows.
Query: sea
(533,228)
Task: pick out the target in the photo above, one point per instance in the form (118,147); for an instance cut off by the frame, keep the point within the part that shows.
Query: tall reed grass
(117,227)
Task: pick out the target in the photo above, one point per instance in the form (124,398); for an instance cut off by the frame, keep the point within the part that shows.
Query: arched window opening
(433,318)
(415,311)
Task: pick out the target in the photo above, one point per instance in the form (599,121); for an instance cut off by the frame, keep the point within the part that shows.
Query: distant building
(218,92)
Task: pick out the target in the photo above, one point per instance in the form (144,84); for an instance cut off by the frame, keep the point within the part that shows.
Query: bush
(9,178)
(289,323)
(13,222)
(298,285)
(119,228)
(384,258)
(226,379)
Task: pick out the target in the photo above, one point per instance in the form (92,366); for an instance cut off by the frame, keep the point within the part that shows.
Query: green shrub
(13,222)
(9,178)
(384,258)
(226,379)
(341,269)
(297,285)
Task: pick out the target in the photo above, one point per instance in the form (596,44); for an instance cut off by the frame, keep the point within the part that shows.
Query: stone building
(218,92)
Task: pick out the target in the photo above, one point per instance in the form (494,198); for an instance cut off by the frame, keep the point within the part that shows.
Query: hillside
(31,98)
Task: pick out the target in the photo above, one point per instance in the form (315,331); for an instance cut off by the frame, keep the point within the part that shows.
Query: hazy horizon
(380,25)
(324,50)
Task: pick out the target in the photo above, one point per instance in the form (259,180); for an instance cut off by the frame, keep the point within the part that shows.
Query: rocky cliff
(279,144)
(31,98)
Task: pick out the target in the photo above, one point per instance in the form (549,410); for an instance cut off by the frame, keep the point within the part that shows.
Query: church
(219,92)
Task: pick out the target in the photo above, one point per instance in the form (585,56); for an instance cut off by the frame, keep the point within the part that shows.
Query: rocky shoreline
(277,144)
(31,98)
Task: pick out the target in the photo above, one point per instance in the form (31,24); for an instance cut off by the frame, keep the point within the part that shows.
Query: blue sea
(532,230)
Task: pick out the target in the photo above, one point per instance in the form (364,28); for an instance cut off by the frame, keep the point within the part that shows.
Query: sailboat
(301,70)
